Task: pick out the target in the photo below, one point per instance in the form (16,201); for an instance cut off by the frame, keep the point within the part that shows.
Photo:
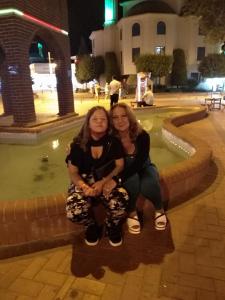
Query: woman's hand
(108,187)
(98,186)
(88,190)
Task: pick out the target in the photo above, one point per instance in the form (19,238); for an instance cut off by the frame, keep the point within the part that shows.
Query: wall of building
(181,32)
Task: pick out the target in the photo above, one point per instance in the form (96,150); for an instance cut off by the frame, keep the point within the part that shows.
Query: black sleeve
(75,156)
(142,153)
(116,150)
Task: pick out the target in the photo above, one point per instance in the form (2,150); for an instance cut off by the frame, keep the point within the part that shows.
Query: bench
(133,103)
(137,104)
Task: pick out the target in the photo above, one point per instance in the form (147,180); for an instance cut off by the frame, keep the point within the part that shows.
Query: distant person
(114,88)
(97,90)
(147,98)
(106,90)
(124,89)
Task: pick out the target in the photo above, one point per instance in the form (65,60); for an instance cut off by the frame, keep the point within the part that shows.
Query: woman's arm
(78,181)
(143,148)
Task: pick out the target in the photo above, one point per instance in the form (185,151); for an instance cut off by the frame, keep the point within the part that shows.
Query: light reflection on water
(29,171)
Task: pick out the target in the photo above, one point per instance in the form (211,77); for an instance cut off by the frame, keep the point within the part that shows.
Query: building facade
(21,22)
(151,27)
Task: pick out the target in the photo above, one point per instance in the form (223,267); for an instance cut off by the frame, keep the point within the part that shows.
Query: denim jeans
(146,183)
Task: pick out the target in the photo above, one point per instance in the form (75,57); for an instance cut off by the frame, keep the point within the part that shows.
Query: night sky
(84,17)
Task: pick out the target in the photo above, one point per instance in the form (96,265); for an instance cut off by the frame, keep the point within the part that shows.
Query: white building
(150,26)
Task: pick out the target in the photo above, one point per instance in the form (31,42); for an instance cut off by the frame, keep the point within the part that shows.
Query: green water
(26,174)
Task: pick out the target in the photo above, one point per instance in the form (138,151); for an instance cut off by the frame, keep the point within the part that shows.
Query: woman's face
(120,119)
(98,122)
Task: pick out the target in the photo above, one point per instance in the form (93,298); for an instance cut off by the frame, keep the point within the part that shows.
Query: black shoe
(93,234)
(140,215)
(115,235)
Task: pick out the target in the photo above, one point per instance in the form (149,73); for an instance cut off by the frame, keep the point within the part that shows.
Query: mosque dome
(150,6)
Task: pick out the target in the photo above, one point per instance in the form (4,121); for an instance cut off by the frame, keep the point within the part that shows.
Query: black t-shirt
(142,148)
(83,160)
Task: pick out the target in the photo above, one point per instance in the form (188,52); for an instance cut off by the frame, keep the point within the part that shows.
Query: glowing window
(161,50)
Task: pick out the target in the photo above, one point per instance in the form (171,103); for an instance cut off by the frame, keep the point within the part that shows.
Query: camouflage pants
(78,206)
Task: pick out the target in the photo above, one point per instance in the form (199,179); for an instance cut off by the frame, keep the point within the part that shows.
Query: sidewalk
(187,261)
(46,105)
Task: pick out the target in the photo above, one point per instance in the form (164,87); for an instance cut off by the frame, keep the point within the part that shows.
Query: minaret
(110,12)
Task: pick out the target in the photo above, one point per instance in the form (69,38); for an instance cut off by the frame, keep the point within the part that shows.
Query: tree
(99,66)
(211,15)
(111,66)
(158,65)
(179,68)
(85,69)
(212,65)
(83,49)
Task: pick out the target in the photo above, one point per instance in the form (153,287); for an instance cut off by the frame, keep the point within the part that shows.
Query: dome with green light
(150,7)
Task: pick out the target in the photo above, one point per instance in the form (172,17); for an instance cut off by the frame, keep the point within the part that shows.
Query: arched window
(136,29)
(161,28)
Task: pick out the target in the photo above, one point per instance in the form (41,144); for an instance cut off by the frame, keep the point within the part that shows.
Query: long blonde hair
(134,129)
(84,134)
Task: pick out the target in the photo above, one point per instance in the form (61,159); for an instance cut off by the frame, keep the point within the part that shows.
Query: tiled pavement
(187,261)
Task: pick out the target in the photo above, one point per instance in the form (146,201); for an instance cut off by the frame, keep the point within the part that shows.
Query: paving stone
(211,272)
(73,294)
(196,281)
(205,295)
(187,263)
(217,248)
(149,291)
(178,292)
(112,291)
(48,293)
(89,286)
(132,287)
(64,289)
(109,276)
(9,277)
(34,267)
(55,261)
(7,295)
(91,297)
(24,298)
(26,287)
(63,266)
(5,267)
(219,262)
(220,287)
(52,278)
(203,256)
(152,275)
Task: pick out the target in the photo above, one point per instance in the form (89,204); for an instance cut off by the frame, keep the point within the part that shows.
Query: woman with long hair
(95,158)
(139,176)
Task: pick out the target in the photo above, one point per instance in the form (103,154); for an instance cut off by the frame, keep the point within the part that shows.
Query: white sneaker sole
(91,244)
(116,244)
